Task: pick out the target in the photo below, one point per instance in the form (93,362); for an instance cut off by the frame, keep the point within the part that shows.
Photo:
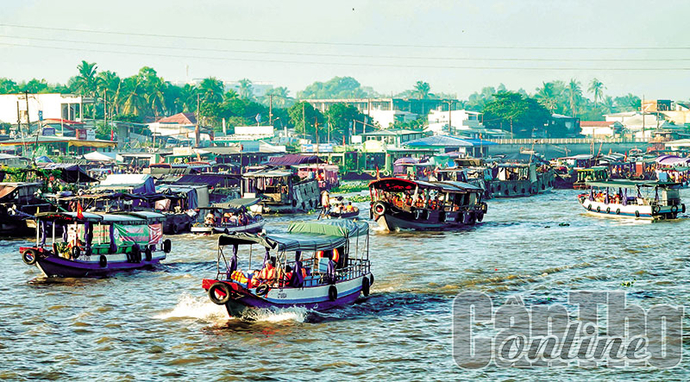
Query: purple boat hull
(53,266)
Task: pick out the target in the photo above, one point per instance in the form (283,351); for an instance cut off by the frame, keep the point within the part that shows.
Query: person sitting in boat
(349,207)
(210,219)
(232,219)
(226,217)
(254,279)
(268,273)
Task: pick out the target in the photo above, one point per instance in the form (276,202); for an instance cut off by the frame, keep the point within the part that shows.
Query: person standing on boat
(325,203)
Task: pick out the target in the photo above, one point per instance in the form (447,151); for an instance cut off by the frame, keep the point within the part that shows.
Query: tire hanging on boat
(674,209)
(379,208)
(637,214)
(148,253)
(656,209)
(30,256)
(332,293)
(365,286)
(136,254)
(219,287)
(608,210)
(167,245)
(262,289)
(103,261)
(371,279)
(75,252)
(618,211)
(480,217)
(683,208)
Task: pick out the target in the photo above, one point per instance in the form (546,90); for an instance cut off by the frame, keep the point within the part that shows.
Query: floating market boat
(331,268)
(406,204)
(652,200)
(281,191)
(340,210)
(89,244)
(231,217)
(18,205)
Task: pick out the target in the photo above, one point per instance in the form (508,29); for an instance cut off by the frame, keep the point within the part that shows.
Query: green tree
(628,102)
(211,90)
(574,93)
(422,89)
(339,118)
(245,90)
(596,87)
(304,117)
(85,83)
(337,87)
(7,86)
(516,113)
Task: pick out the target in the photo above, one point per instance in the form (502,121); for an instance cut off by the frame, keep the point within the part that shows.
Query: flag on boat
(80,211)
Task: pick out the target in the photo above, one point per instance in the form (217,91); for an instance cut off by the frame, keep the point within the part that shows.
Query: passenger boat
(318,265)
(227,218)
(406,204)
(592,174)
(18,204)
(338,209)
(90,244)
(651,200)
(519,180)
(280,191)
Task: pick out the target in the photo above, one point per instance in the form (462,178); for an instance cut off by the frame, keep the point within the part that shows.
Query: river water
(159,324)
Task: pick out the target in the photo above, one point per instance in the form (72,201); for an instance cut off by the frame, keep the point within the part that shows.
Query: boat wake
(277,315)
(200,308)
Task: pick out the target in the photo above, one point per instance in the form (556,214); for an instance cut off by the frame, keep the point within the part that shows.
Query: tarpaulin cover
(294,159)
(138,234)
(70,173)
(302,237)
(139,183)
(343,228)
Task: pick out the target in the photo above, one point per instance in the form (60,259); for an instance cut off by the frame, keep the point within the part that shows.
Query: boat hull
(634,211)
(53,266)
(394,219)
(249,228)
(312,297)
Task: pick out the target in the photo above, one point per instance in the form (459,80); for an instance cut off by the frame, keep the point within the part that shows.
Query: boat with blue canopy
(315,265)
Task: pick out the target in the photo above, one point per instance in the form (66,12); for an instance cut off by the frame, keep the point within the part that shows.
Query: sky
(458,46)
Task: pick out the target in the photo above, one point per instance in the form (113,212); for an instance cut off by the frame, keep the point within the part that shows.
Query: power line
(474,67)
(359,44)
(338,55)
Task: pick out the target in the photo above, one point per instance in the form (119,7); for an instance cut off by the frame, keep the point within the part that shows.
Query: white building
(41,106)
(387,118)
(635,125)
(252,133)
(463,121)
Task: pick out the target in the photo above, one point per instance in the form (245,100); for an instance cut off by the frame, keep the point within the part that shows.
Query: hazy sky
(632,46)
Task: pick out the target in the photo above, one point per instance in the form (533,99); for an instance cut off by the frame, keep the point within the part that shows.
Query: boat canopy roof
(302,236)
(399,184)
(267,174)
(135,217)
(625,183)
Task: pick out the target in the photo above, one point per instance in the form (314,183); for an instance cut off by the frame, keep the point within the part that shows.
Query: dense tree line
(146,96)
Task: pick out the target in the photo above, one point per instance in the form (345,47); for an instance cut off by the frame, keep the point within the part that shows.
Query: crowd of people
(239,218)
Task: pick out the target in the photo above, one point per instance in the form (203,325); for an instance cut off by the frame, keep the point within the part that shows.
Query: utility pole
(329,128)
(270,109)
(19,119)
(643,121)
(450,119)
(197,131)
(304,121)
(316,129)
(28,118)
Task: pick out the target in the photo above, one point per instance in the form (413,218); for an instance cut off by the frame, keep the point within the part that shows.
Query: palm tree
(422,89)
(596,87)
(134,101)
(546,95)
(245,91)
(211,90)
(574,92)
(85,81)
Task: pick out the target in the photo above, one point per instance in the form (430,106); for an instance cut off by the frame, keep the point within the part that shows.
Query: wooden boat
(280,192)
(406,204)
(338,210)
(519,180)
(592,174)
(93,244)
(227,218)
(651,200)
(18,204)
(334,255)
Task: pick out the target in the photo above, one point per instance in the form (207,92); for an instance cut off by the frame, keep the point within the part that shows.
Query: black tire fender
(103,261)
(379,208)
(637,214)
(618,211)
(148,253)
(30,256)
(365,286)
(219,287)
(332,293)
(75,252)
(262,289)
(167,245)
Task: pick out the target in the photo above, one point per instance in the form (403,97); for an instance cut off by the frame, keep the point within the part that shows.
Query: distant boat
(650,200)
(406,204)
(89,244)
